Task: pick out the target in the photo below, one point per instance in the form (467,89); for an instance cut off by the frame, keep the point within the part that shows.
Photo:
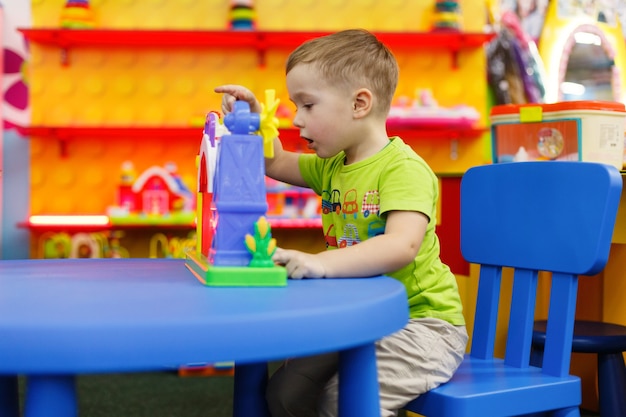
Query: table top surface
(125,315)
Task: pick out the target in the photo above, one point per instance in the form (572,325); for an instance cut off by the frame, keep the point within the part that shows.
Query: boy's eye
(305,106)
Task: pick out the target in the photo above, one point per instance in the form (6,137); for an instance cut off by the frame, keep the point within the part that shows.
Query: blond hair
(352,58)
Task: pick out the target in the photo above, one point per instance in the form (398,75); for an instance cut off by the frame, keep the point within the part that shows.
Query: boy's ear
(363,102)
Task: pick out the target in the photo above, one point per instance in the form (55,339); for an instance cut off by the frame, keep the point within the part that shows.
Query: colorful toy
(84,245)
(424,111)
(81,245)
(112,247)
(242,16)
(234,244)
(158,195)
(55,245)
(447,16)
(204,370)
(77,14)
(162,246)
(289,202)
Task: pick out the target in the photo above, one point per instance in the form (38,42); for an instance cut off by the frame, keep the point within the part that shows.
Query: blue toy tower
(241,245)
(239,197)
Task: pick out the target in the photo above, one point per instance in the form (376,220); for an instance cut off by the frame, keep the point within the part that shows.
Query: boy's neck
(366,149)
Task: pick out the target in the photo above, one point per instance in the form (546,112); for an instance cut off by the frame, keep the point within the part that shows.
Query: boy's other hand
(299,264)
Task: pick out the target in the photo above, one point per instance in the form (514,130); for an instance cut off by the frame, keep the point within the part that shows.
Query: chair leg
(612,384)
(9,397)
(536,357)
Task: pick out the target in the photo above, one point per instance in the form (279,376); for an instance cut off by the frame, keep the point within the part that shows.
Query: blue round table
(61,318)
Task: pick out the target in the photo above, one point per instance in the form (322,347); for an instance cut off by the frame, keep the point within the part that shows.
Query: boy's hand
(233,93)
(299,264)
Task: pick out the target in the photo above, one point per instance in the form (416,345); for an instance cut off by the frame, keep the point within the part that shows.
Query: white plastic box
(590,131)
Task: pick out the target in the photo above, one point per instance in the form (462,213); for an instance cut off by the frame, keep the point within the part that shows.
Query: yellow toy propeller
(269,122)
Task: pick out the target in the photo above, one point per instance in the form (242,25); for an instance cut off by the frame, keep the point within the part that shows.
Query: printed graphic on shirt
(350,204)
(375,228)
(350,236)
(331,201)
(371,203)
(330,237)
(347,224)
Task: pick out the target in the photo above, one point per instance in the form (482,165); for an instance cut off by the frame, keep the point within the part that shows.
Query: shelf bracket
(63,152)
(65,56)
(261,58)
(454,149)
(261,48)
(455,59)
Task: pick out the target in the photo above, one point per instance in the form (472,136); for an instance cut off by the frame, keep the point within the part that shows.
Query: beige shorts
(416,359)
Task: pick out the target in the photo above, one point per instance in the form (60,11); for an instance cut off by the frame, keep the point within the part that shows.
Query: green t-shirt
(355,200)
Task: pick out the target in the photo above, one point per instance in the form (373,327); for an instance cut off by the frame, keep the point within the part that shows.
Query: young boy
(342,86)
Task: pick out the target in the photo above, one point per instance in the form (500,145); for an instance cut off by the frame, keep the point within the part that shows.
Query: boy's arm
(284,166)
(382,254)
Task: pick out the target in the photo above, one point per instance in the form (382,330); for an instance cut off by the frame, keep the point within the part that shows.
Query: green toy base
(235,276)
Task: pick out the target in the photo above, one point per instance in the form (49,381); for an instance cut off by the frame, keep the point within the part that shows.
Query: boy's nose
(297,122)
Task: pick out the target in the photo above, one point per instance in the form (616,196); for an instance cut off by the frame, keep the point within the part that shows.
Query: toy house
(158,193)
(159,190)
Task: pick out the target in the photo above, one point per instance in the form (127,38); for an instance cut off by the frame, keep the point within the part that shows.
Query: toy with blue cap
(234,244)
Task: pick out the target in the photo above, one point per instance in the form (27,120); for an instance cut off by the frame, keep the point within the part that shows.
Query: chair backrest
(535,216)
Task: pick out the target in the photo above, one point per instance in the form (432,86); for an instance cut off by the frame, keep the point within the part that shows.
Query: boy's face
(324,112)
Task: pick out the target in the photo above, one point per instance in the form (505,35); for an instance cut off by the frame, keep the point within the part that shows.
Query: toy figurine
(242,15)
(77,14)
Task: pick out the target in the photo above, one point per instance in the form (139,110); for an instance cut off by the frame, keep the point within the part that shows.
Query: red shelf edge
(66,132)
(288,134)
(65,38)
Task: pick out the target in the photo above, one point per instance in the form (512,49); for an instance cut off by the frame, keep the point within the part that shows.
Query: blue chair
(556,217)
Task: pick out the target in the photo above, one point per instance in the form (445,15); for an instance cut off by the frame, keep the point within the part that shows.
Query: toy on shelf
(158,196)
(242,15)
(290,202)
(85,245)
(234,244)
(582,130)
(55,245)
(203,369)
(447,16)
(113,247)
(424,111)
(77,14)
(162,246)
(81,245)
